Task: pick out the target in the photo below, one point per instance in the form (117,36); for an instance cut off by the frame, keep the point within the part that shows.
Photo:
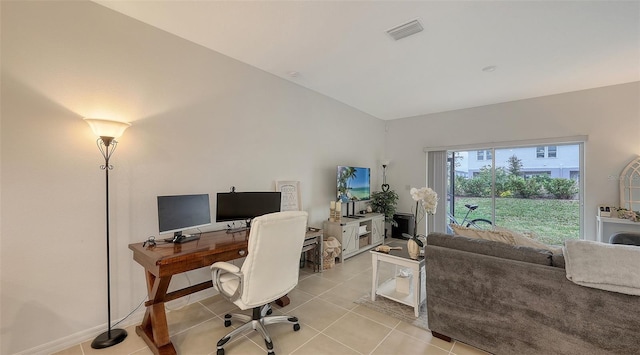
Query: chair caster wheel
(220,352)
(269,311)
(227,323)
(296,327)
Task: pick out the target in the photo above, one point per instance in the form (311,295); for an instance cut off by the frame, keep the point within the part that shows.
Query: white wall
(610,116)
(202,122)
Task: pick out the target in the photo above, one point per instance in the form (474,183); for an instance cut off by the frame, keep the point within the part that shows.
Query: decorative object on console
(108,131)
(427,201)
(604,211)
(633,216)
(335,211)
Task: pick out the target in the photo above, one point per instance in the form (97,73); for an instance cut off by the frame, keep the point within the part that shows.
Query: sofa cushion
(504,235)
(529,240)
(494,235)
(557,260)
(491,248)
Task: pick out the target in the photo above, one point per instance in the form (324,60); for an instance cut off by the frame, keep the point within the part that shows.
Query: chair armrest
(228,267)
(226,270)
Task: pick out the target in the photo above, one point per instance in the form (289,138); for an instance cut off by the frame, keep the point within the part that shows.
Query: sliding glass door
(531,189)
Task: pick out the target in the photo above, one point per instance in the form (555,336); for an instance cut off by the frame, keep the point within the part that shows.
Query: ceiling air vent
(405,30)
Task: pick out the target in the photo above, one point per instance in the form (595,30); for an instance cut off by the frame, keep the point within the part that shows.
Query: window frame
(433,179)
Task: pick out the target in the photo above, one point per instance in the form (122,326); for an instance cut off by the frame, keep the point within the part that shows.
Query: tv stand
(356,234)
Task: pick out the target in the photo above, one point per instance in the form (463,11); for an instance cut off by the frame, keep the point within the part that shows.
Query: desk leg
(283,301)
(154,328)
(321,254)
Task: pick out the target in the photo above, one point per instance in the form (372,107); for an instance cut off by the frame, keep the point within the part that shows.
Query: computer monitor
(181,212)
(235,206)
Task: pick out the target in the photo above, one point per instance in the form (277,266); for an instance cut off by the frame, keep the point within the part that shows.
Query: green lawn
(552,221)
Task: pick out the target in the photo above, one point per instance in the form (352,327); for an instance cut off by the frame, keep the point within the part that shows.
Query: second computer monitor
(235,206)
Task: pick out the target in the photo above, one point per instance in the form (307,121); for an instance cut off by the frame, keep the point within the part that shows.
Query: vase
(413,248)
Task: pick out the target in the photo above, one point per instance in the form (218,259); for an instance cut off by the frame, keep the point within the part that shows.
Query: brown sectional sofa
(517,300)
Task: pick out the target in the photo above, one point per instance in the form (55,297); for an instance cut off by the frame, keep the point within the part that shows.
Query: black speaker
(405,225)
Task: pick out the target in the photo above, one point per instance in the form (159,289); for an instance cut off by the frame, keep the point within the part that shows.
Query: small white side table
(399,258)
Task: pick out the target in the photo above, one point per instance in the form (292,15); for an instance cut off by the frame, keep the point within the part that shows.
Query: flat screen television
(181,212)
(353,184)
(235,206)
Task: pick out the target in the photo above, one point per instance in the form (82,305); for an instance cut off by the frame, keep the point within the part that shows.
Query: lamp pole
(107,131)
(111,336)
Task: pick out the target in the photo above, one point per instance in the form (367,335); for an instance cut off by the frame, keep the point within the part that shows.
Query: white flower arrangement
(429,201)
(427,197)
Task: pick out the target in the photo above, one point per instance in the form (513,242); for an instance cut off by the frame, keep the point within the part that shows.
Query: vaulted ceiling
(470,53)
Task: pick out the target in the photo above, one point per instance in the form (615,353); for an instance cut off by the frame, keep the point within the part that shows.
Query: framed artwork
(291,199)
(605,211)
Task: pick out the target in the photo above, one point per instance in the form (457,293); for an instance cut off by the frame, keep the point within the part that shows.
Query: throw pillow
(497,236)
(523,240)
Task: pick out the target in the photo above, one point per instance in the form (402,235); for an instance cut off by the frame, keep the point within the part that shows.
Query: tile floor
(331,323)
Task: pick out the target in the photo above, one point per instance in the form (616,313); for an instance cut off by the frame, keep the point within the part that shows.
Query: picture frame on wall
(291,200)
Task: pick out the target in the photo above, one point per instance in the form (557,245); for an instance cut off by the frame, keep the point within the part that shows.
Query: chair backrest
(628,238)
(272,265)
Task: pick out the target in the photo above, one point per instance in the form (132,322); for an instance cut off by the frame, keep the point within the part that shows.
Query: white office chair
(269,272)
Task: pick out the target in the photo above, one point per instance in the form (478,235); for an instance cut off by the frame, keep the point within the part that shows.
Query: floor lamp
(108,131)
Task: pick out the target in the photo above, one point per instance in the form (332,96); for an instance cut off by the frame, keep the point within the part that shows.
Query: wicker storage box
(328,262)
(363,242)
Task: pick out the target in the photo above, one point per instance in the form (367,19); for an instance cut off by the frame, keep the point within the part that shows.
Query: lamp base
(109,338)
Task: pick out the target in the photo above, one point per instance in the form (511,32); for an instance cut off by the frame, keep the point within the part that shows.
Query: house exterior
(556,161)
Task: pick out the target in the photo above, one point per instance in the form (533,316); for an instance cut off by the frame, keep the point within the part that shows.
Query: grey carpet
(396,310)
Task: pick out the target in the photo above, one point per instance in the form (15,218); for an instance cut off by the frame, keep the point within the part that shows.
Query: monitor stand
(241,229)
(179,238)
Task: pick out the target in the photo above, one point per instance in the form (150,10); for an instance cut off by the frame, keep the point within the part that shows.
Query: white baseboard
(89,334)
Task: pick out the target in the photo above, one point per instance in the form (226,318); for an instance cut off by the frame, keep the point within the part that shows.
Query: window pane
(480,155)
(539,200)
(489,156)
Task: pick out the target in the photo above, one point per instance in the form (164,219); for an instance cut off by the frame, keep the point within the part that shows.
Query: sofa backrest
(492,248)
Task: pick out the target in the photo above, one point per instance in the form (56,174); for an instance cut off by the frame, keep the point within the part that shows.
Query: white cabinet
(377,232)
(349,238)
(356,234)
(606,227)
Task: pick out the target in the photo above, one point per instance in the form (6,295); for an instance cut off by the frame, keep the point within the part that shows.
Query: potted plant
(385,202)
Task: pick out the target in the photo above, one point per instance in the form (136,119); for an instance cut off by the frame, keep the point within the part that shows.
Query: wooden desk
(165,260)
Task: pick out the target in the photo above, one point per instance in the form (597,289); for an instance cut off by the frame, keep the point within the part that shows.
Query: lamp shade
(107,128)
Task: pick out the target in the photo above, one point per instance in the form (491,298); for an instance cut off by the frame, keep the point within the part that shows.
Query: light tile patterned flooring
(331,323)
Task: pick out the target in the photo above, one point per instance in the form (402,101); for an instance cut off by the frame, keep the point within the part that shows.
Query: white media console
(356,234)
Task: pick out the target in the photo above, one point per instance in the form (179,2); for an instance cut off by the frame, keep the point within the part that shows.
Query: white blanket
(611,267)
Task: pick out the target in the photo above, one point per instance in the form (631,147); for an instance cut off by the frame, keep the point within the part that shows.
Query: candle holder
(332,214)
